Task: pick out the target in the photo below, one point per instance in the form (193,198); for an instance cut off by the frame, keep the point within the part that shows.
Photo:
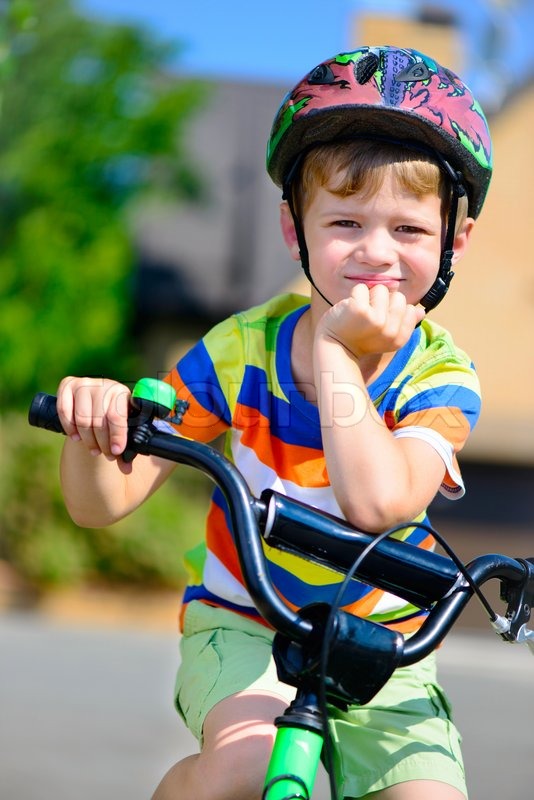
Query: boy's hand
(372,320)
(94,411)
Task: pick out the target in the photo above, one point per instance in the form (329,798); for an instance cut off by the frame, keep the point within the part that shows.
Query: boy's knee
(237,765)
(239,734)
(231,767)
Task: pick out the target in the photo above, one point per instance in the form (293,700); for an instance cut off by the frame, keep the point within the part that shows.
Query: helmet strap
(440,287)
(287,195)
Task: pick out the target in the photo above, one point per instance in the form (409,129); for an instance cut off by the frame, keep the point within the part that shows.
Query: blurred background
(135,212)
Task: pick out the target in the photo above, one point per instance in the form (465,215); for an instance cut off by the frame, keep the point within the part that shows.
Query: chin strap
(287,195)
(440,287)
(303,248)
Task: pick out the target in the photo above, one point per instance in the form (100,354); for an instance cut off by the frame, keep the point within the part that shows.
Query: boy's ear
(288,231)
(461,239)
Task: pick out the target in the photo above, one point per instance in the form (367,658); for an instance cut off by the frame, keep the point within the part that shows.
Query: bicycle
(328,655)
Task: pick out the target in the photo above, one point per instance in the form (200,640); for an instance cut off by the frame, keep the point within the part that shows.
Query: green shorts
(405,733)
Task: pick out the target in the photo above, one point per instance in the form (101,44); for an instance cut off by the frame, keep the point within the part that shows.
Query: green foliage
(16,16)
(39,539)
(90,122)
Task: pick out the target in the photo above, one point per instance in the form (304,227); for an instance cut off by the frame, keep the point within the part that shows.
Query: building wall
(227,251)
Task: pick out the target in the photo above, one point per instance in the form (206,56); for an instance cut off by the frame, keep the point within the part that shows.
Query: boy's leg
(238,739)
(418,790)
(228,692)
(403,745)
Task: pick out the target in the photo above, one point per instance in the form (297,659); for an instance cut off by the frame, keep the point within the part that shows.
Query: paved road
(87,713)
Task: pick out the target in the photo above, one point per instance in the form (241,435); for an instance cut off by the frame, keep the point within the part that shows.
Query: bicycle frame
(362,655)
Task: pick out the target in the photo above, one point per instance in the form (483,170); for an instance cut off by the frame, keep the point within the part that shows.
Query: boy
(353,402)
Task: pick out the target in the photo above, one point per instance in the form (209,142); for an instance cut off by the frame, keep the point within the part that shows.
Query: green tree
(90,121)
(15,16)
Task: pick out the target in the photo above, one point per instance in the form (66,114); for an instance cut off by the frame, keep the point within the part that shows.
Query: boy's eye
(409,229)
(346,223)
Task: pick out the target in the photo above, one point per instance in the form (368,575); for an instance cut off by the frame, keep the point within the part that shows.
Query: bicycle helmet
(394,94)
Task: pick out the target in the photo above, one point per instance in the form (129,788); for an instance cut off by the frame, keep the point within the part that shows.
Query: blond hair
(359,166)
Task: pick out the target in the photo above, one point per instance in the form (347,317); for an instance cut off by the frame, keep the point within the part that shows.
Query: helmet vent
(414,72)
(366,68)
(322,76)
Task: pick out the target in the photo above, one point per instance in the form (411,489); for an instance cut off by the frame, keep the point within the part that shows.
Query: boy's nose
(375,248)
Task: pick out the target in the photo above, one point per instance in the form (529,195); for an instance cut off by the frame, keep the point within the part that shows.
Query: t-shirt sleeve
(441,406)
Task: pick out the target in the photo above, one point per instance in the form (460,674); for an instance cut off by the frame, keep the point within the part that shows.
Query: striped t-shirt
(238,382)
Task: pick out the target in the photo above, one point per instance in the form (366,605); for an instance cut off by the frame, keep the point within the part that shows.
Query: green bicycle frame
(293,766)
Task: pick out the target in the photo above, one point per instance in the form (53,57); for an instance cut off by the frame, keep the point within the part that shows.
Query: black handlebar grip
(43,413)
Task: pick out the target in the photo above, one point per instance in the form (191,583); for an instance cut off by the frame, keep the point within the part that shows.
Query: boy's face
(392,238)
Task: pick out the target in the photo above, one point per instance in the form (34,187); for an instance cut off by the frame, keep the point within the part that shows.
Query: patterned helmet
(385,92)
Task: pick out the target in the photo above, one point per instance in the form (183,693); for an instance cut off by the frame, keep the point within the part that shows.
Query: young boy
(353,402)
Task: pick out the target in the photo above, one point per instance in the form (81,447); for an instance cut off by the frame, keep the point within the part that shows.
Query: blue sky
(275,41)
(281,40)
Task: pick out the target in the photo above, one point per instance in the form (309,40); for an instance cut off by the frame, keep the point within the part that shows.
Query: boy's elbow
(375,517)
(93,517)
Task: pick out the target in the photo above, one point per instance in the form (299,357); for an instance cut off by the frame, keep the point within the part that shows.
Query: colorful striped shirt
(238,382)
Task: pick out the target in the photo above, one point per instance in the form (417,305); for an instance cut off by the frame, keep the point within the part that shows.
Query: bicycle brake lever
(526,636)
(520,599)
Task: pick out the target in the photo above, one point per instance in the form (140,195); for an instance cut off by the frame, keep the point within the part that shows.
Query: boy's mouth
(377,280)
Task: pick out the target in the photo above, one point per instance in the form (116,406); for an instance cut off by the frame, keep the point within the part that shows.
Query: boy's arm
(98,487)
(378,480)
(99,492)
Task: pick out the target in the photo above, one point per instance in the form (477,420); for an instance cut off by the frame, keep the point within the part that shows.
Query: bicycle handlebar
(426,579)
